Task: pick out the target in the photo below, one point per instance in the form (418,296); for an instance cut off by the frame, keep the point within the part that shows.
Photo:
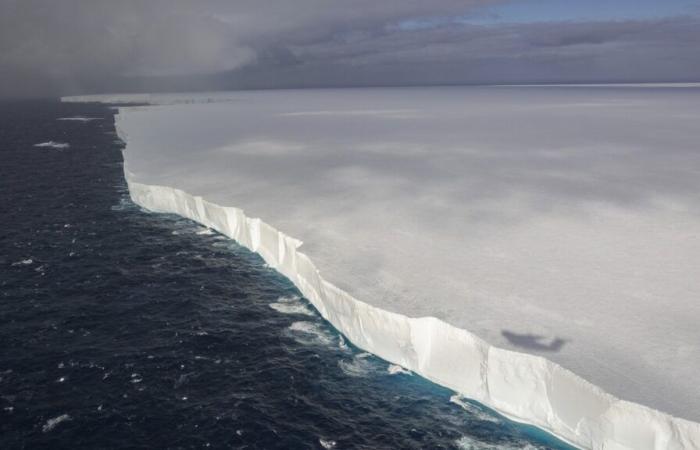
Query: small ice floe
(52,423)
(24,262)
(327,443)
(52,144)
(62,380)
(395,369)
(204,231)
(291,305)
(79,119)
(472,409)
(309,333)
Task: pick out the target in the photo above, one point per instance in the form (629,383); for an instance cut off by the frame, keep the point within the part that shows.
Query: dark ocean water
(125,329)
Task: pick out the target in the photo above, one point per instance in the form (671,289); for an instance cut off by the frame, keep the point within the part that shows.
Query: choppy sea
(121,328)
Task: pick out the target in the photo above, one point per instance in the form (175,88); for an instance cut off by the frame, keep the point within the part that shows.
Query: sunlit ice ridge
(535,249)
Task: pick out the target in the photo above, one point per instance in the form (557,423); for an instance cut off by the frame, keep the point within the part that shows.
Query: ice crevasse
(523,387)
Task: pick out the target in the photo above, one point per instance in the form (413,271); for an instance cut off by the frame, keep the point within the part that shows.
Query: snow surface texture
(559,222)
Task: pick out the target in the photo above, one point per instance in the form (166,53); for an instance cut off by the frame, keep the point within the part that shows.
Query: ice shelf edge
(523,387)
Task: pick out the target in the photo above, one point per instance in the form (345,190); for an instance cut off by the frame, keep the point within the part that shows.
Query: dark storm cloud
(71,46)
(617,50)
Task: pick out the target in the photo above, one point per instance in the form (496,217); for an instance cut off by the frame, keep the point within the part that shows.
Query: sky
(50,48)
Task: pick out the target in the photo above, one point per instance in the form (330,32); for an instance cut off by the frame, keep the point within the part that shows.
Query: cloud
(527,52)
(75,40)
(77,46)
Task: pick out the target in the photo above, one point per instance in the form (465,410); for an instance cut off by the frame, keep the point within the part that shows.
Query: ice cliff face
(564,223)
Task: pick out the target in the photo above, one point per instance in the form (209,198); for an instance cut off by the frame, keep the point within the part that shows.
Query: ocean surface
(120,328)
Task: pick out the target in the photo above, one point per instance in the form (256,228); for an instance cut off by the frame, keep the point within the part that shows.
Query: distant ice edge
(523,387)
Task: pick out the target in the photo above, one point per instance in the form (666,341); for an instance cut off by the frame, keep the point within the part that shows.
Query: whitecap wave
(24,262)
(395,369)
(327,443)
(52,144)
(342,345)
(309,333)
(123,204)
(360,366)
(222,244)
(291,305)
(52,423)
(473,410)
(470,443)
(79,119)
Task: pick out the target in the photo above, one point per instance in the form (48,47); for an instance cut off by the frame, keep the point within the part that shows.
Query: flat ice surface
(558,221)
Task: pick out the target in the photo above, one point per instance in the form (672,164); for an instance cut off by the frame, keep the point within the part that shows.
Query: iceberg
(535,250)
